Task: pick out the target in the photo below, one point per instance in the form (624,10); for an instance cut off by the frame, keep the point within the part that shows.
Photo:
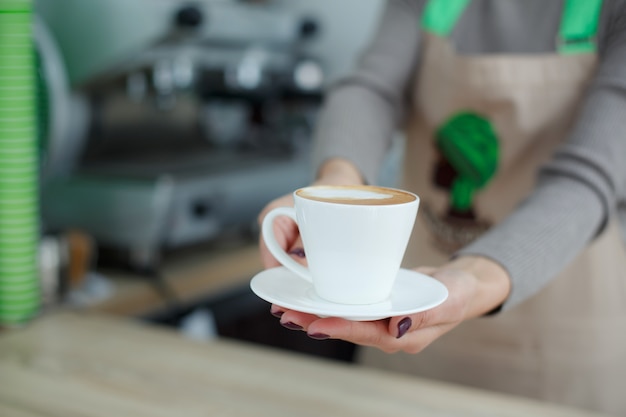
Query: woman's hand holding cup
(333,172)
(475,285)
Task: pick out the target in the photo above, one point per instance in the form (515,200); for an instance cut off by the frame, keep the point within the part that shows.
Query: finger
(296,250)
(451,311)
(366,333)
(284,201)
(267,259)
(390,335)
(410,333)
(375,334)
(401,325)
(418,340)
(277,311)
(287,234)
(296,320)
(426,270)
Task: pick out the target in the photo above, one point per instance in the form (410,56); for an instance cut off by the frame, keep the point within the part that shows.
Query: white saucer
(413,292)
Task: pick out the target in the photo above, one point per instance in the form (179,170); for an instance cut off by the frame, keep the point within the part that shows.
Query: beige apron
(568,343)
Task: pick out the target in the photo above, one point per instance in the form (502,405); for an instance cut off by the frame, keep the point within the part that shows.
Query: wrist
(492,283)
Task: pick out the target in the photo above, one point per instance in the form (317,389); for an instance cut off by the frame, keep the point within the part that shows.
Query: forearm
(577,191)
(356,125)
(362,112)
(542,236)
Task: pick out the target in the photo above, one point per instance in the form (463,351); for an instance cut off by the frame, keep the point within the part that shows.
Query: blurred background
(166,126)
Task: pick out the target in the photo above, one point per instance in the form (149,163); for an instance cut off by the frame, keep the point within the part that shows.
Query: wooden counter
(87,365)
(189,276)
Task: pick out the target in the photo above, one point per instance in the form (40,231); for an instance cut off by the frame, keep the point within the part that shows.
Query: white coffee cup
(354,239)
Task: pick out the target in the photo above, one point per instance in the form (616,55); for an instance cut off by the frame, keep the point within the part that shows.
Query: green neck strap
(577,33)
(579,26)
(440,16)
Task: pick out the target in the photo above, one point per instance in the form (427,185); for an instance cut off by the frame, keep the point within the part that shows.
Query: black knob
(189,16)
(201,209)
(309,27)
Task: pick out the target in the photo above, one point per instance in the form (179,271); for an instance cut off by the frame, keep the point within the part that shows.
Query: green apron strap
(577,33)
(579,25)
(440,16)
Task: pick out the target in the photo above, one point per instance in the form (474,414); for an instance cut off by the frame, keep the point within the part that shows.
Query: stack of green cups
(19,214)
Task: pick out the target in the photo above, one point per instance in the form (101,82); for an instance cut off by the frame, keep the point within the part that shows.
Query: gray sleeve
(362,111)
(578,190)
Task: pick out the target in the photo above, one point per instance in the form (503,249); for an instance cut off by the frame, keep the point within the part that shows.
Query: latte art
(356,195)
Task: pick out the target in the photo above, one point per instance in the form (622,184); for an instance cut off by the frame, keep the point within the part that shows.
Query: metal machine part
(95,47)
(66,111)
(198,117)
(145,212)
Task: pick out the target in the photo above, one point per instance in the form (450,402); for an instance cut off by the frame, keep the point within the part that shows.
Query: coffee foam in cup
(358,195)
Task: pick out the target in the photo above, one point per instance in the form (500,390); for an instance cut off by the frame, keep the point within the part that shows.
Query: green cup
(16,232)
(14,151)
(23,261)
(16,250)
(17,240)
(20,291)
(16,178)
(18,189)
(17,37)
(13,161)
(18,318)
(16,109)
(17,143)
(12,74)
(23,291)
(14,184)
(19,151)
(19,217)
(22,285)
(13,27)
(18,287)
(15,170)
(16,314)
(16,7)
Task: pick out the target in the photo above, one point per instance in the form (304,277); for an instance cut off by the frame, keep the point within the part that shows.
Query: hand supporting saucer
(412,292)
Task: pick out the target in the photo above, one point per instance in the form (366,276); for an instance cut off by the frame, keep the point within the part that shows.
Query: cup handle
(267,229)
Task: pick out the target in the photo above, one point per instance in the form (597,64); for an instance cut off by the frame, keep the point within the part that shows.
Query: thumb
(427,270)
(401,325)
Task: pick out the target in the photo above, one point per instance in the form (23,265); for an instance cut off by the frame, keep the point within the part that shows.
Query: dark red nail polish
(403,326)
(319,336)
(277,313)
(299,252)
(291,325)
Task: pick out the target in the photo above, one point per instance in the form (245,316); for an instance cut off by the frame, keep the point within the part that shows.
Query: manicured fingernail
(318,336)
(299,252)
(291,325)
(277,313)
(403,326)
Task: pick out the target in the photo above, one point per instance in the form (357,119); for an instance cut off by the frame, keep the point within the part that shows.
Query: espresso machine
(193,117)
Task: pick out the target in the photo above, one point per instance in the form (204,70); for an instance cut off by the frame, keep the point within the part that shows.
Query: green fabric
(577,32)
(462,194)
(579,26)
(469,143)
(440,16)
